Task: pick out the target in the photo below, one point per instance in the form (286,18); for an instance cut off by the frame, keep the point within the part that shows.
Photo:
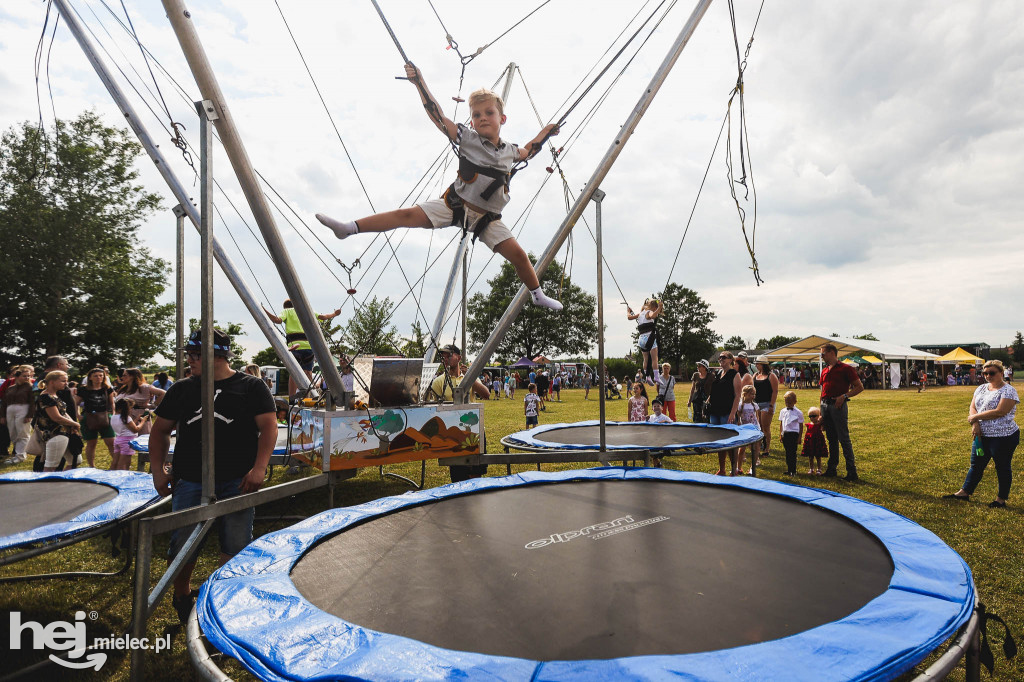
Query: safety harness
(455,204)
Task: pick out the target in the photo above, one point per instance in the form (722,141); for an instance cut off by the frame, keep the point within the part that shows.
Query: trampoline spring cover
(134,491)
(280,635)
(638,436)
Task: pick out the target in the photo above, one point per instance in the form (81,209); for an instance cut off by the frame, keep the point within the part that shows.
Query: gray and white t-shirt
(482,152)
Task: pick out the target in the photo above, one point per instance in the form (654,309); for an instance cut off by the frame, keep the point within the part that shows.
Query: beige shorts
(441,216)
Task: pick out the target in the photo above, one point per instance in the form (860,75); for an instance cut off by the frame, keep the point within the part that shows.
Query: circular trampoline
(606,573)
(677,437)
(44,507)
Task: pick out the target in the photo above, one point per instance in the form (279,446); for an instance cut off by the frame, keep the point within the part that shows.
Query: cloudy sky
(883,138)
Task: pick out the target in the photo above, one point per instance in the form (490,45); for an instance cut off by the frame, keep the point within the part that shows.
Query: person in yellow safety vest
(298,343)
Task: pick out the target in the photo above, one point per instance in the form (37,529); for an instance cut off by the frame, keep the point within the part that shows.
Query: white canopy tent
(808,349)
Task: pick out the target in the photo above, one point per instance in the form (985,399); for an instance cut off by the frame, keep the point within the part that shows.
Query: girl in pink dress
(636,406)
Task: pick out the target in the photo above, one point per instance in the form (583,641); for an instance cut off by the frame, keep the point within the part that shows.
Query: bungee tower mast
(180,194)
(195,55)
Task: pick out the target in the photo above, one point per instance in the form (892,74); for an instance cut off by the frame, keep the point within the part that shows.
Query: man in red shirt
(839,383)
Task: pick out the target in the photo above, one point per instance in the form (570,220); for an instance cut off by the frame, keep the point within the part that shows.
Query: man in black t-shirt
(245,434)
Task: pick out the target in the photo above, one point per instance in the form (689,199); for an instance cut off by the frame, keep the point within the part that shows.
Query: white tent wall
(809,348)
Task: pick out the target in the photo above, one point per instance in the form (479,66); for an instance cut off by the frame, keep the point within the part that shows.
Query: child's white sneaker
(540,299)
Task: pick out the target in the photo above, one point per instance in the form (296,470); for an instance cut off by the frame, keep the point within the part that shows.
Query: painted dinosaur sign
(363,438)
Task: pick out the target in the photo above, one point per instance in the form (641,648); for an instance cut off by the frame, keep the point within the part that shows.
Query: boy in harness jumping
(480,191)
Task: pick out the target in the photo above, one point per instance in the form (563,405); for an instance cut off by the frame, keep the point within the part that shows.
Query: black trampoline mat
(25,505)
(680,568)
(644,435)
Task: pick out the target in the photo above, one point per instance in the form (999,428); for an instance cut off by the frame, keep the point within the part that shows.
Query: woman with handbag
(52,424)
(666,390)
(96,397)
(992,417)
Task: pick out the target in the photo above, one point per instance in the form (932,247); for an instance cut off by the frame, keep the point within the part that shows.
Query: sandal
(954,496)
(996,504)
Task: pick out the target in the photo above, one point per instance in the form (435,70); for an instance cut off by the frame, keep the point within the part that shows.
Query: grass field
(911,449)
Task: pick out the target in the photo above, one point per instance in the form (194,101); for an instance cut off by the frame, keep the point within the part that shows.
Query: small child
(791,428)
(496,387)
(480,191)
(348,385)
(636,406)
(531,406)
(125,430)
(815,444)
(748,413)
(658,417)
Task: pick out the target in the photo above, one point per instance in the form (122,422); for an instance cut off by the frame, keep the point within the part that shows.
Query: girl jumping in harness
(475,200)
(646,325)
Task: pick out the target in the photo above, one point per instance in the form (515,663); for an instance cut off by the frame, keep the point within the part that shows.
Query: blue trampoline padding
(134,491)
(251,610)
(746,434)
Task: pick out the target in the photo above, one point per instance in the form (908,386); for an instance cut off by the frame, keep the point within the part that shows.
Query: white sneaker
(15,459)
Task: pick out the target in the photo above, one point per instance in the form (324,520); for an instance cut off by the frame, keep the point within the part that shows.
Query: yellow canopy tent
(872,359)
(959,356)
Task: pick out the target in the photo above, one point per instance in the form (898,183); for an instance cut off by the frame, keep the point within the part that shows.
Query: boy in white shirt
(531,406)
(658,417)
(791,430)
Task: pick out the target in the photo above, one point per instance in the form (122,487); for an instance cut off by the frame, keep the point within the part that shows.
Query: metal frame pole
(446,296)
(207,117)
(179,294)
(195,55)
(181,194)
(598,198)
(622,136)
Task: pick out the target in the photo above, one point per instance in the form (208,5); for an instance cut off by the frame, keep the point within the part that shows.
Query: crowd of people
(59,421)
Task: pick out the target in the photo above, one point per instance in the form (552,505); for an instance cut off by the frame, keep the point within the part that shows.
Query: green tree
(367,331)
(1017,348)
(684,334)
(866,337)
(74,279)
(415,346)
(734,343)
(536,330)
(777,341)
(267,356)
(234,330)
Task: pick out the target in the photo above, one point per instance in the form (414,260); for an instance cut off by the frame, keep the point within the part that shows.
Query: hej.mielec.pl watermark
(71,637)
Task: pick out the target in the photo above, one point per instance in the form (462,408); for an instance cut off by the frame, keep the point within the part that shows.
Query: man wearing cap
(443,388)
(245,433)
(839,383)
(298,344)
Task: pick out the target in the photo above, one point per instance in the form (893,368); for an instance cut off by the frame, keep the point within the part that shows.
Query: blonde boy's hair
(789,394)
(484,95)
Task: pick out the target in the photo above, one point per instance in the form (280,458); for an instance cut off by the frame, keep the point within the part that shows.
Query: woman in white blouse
(996,434)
